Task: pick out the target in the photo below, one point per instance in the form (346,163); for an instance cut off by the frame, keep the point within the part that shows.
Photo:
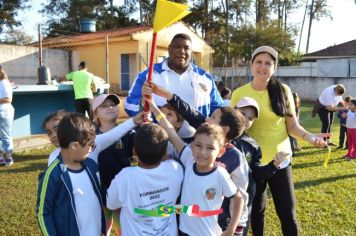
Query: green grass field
(326,197)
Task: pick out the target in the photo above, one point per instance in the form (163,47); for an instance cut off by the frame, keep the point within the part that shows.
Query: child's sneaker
(9,161)
(2,161)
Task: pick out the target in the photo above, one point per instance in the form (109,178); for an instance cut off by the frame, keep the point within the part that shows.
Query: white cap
(101,98)
(268,50)
(246,102)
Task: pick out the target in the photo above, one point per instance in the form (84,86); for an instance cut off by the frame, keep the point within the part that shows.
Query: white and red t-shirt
(207,190)
(147,189)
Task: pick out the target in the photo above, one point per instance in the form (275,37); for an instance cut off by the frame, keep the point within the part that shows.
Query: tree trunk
(205,23)
(311,16)
(285,14)
(227,28)
(111,7)
(301,30)
(260,11)
(141,16)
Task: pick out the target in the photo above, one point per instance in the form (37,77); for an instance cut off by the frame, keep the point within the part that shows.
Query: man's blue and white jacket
(195,86)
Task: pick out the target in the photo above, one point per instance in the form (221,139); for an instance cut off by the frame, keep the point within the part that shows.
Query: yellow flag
(167,13)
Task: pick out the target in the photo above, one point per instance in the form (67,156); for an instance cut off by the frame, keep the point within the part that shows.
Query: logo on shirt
(167,210)
(210,193)
(203,87)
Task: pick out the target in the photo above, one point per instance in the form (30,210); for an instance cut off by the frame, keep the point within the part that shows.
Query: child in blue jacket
(69,200)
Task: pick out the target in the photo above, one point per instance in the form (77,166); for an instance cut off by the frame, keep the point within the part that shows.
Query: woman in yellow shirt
(277,119)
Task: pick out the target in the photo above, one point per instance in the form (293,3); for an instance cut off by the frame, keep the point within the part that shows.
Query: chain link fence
(232,74)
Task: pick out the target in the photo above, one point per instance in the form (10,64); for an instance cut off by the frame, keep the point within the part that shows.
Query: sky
(324,33)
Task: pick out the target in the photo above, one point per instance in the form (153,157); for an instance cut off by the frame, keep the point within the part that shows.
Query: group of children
(91,186)
(348,128)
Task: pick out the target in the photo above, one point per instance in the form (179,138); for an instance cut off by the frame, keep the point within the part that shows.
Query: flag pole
(166,14)
(150,69)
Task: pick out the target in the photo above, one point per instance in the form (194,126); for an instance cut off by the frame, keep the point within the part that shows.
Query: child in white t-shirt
(205,183)
(50,125)
(144,192)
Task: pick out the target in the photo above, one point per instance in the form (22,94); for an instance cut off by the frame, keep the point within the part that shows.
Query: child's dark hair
(213,130)
(225,91)
(171,108)
(348,98)
(234,120)
(150,143)
(353,101)
(75,127)
(57,115)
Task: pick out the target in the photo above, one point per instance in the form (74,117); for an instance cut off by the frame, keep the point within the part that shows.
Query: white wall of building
(308,79)
(21,62)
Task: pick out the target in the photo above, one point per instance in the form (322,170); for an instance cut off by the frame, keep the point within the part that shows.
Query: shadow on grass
(315,151)
(29,157)
(311,183)
(317,163)
(33,167)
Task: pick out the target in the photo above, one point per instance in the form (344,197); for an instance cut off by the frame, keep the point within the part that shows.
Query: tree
(247,38)
(17,37)
(282,8)
(318,9)
(8,12)
(68,13)
(262,11)
(116,17)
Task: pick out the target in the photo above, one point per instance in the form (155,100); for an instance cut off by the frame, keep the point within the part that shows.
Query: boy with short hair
(177,121)
(69,197)
(206,183)
(232,123)
(156,183)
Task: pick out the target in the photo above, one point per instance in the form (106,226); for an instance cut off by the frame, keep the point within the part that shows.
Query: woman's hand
(317,140)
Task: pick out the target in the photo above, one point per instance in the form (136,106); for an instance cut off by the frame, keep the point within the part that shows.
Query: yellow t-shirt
(269,130)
